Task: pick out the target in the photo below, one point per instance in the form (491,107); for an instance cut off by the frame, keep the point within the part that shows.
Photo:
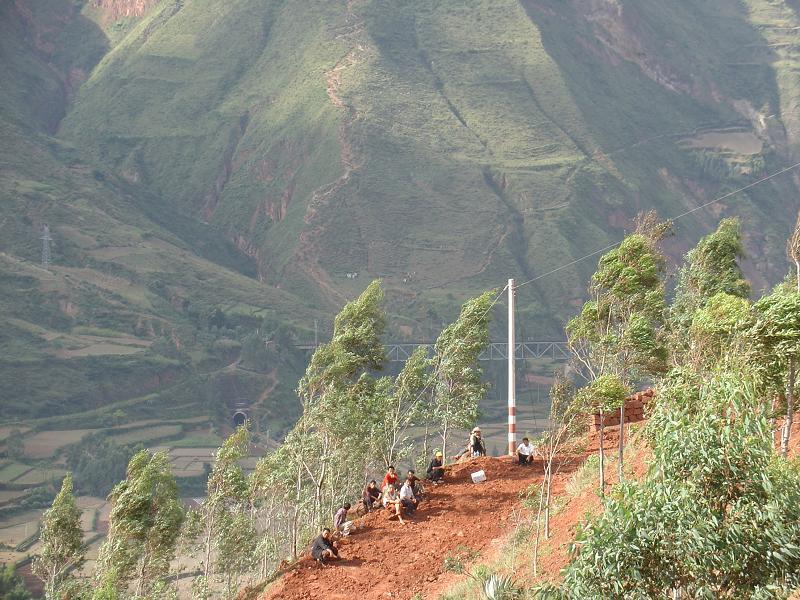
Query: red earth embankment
(390,560)
(387,560)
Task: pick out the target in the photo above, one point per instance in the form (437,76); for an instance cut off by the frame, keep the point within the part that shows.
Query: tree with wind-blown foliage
(457,386)
(793,251)
(225,540)
(619,332)
(776,339)
(710,268)
(338,394)
(717,516)
(399,404)
(61,541)
(144,525)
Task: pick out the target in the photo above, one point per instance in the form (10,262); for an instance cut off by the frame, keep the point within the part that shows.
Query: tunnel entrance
(239,418)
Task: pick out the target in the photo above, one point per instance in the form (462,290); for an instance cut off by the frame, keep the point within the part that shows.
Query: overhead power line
(680,216)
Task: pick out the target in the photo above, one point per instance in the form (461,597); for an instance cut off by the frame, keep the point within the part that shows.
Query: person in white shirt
(407,498)
(391,501)
(526,452)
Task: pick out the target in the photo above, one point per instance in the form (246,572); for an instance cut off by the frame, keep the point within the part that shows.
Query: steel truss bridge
(400,351)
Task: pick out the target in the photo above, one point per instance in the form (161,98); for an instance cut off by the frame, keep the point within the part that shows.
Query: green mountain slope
(144,310)
(251,156)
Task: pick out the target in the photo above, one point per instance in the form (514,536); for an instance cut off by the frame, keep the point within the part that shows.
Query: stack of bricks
(634,411)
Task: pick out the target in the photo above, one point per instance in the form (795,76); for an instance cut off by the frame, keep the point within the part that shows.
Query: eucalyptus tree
(603,395)
(457,384)
(400,404)
(717,516)
(144,525)
(619,331)
(61,541)
(218,527)
(276,508)
(710,268)
(715,332)
(562,423)
(793,251)
(775,335)
(338,395)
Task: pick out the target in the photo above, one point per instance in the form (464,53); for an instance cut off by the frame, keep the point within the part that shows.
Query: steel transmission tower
(46,239)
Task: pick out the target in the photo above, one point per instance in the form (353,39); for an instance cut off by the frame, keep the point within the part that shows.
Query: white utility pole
(512,384)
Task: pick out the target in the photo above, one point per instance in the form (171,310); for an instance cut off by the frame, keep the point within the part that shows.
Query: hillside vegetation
(216,173)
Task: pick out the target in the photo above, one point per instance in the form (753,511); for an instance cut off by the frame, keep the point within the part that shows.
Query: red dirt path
(390,560)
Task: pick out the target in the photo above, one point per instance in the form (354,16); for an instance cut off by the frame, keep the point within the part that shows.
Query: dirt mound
(390,560)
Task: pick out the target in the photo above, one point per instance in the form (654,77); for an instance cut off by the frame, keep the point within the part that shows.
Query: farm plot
(47,443)
(6,497)
(39,476)
(7,429)
(12,471)
(146,434)
(18,528)
(94,512)
(188,466)
(196,440)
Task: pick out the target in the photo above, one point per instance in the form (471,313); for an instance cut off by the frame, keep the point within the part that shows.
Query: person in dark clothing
(322,548)
(436,469)
(476,447)
(371,496)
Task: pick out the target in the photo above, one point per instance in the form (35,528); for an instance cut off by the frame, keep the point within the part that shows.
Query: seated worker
(391,501)
(340,522)
(526,452)
(476,446)
(371,496)
(416,484)
(390,477)
(436,469)
(407,498)
(322,548)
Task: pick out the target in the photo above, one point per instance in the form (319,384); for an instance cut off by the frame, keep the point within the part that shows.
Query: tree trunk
(296,515)
(602,456)
(797,268)
(787,425)
(425,450)
(621,442)
(207,561)
(538,530)
(548,496)
(444,440)
(140,583)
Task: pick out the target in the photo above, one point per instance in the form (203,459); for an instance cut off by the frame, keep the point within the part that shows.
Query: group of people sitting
(399,499)
(402,498)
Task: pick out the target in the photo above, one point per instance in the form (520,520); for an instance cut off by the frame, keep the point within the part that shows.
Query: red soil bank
(390,560)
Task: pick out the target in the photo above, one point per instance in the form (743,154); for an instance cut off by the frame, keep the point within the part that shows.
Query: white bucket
(478,476)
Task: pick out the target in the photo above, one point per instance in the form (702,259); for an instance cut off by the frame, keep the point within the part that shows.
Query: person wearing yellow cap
(436,469)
